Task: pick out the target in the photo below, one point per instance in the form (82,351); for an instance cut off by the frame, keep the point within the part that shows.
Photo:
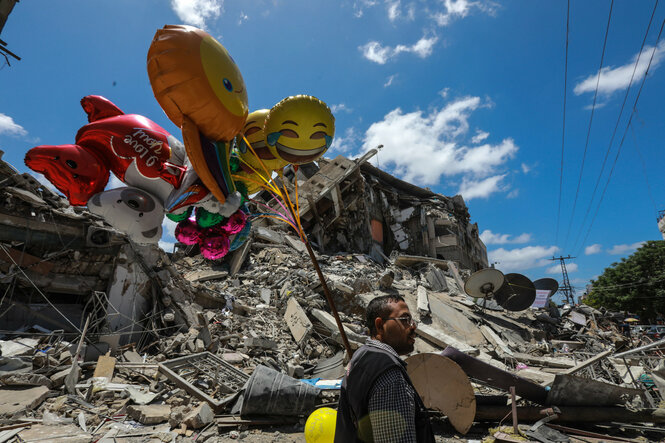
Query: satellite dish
(517,293)
(443,385)
(484,283)
(547,284)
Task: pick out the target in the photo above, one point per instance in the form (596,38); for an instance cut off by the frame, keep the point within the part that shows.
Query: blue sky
(465,96)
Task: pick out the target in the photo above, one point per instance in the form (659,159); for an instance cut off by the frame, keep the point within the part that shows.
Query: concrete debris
(103,339)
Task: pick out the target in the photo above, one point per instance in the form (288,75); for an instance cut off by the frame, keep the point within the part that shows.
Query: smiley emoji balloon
(199,87)
(192,74)
(253,133)
(300,129)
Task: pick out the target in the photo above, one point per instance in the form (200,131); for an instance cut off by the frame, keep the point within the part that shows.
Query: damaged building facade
(354,206)
(61,265)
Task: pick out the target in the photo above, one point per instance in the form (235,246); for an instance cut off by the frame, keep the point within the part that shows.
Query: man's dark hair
(379,307)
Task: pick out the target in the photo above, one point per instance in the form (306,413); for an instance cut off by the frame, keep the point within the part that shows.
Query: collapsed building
(354,206)
(107,339)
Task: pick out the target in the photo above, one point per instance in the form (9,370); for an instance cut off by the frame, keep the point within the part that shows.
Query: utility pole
(566,289)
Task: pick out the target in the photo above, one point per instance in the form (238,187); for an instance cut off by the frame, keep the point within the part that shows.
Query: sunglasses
(406,321)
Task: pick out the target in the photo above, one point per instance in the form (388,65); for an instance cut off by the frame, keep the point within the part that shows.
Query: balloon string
(287,200)
(285,214)
(268,173)
(262,185)
(295,179)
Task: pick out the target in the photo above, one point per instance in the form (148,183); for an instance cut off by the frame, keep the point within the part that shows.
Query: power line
(563,131)
(616,126)
(639,92)
(588,134)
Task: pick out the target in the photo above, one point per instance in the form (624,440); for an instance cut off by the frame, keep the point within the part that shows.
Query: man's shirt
(392,406)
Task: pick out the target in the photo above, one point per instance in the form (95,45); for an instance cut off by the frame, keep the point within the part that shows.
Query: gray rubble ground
(266,308)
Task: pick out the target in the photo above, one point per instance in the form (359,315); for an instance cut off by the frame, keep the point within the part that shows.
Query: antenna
(566,289)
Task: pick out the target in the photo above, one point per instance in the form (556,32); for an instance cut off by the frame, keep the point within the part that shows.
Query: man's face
(397,330)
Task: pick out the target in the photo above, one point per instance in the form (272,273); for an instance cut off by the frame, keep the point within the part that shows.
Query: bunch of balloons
(202,183)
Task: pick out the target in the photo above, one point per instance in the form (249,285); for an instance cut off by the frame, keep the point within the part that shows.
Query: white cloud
(520,259)
(458,9)
(593,249)
(444,92)
(435,150)
(243,18)
(615,79)
(394,10)
(377,53)
(197,12)
(525,168)
(624,249)
(345,143)
(360,6)
(490,238)
(556,269)
(390,80)
(9,127)
(479,137)
(339,108)
(470,189)
(513,194)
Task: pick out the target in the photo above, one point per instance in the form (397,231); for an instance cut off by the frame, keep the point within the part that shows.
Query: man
(378,402)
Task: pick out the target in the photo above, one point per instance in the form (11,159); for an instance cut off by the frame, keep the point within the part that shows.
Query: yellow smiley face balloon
(253,132)
(192,74)
(300,129)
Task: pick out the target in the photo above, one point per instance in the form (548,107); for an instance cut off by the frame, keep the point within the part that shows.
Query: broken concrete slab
(199,416)
(295,243)
(443,340)
(258,342)
(298,322)
(452,322)
(265,234)
(329,322)
(265,295)
(25,379)
(149,414)
(19,346)
(423,301)
(436,279)
(69,433)
(500,346)
(201,275)
(15,399)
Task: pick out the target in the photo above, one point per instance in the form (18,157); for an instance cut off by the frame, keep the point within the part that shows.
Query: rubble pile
(102,339)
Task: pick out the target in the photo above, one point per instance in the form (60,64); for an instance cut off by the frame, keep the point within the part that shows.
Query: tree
(635,284)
